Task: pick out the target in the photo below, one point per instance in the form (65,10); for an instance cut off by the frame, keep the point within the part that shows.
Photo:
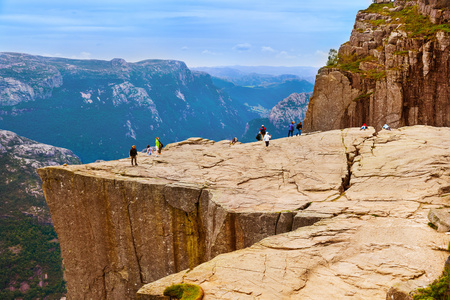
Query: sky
(202,33)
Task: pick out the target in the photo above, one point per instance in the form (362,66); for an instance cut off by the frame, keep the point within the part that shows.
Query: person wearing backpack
(262,130)
(159,145)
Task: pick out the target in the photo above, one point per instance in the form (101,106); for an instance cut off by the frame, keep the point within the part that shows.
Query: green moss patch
(184,291)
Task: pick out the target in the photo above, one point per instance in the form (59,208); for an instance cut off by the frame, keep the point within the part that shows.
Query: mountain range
(98,109)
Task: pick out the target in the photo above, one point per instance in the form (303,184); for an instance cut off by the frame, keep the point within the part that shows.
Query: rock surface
(389,72)
(340,214)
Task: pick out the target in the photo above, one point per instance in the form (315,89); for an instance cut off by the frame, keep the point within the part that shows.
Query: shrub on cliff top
(184,291)
(439,289)
(416,24)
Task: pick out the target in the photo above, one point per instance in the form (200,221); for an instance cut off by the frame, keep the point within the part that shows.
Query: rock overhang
(244,193)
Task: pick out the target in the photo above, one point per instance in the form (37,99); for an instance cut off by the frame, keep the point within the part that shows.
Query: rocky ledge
(330,215)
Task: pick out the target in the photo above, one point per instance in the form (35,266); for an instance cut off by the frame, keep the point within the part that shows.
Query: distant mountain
(239,74)
(258,101)
(99,109)
(30,260)
(292,108)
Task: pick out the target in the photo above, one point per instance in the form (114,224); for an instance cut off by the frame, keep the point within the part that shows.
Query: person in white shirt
(267,138)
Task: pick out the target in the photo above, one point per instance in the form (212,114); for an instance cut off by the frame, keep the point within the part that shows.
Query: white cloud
(184,48)
(208,52)
(242,47)
(285,55)
(267,49)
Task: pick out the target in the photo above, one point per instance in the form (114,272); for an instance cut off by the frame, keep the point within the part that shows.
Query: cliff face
(394,69)
(122,226)
(373,234)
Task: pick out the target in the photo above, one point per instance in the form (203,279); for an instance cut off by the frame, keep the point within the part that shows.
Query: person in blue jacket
(291,129)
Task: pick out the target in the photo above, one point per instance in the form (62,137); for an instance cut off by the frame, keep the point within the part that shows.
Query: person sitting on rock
(234,141)
(386,126)
(363,127)
(149,150)
(258,136)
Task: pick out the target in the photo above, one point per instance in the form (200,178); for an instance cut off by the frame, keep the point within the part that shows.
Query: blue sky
(198,32)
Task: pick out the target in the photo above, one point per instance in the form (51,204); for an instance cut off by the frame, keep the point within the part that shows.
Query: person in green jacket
(159,145)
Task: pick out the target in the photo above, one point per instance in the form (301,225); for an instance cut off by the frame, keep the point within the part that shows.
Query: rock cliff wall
(122,226)
(395,69)
(368,195)
(372,235)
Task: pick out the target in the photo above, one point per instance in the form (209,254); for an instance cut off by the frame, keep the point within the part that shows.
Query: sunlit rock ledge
(340,214)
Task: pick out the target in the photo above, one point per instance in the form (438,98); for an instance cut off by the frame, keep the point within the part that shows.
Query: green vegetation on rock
(439,289)
(184,291)
(414,23)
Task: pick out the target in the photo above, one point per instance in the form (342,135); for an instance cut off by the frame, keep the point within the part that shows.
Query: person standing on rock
(291,129)
(262,130)
(267,139)
(133,155)
(159,145)
(299,128)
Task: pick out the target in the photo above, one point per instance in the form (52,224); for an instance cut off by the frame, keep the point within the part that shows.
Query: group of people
(292,126)
(133,151)
(385,126)
(263,135)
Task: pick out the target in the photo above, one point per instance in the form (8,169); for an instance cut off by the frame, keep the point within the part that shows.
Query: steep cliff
(395,69)
(122,226)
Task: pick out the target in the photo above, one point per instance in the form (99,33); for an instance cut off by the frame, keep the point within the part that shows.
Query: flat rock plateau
(340,214)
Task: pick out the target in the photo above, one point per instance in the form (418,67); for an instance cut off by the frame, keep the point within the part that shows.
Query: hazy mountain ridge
(238,74)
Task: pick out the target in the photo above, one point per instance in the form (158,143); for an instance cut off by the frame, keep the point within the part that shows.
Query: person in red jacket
(263,130)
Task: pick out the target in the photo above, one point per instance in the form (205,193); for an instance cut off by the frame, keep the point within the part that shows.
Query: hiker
(133,155)
(234,141)
(262,130)
(299,128)
(291,129)
(363,127)
(386,126)
(267,138)
(159,146)
(149,150)
(259,136)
